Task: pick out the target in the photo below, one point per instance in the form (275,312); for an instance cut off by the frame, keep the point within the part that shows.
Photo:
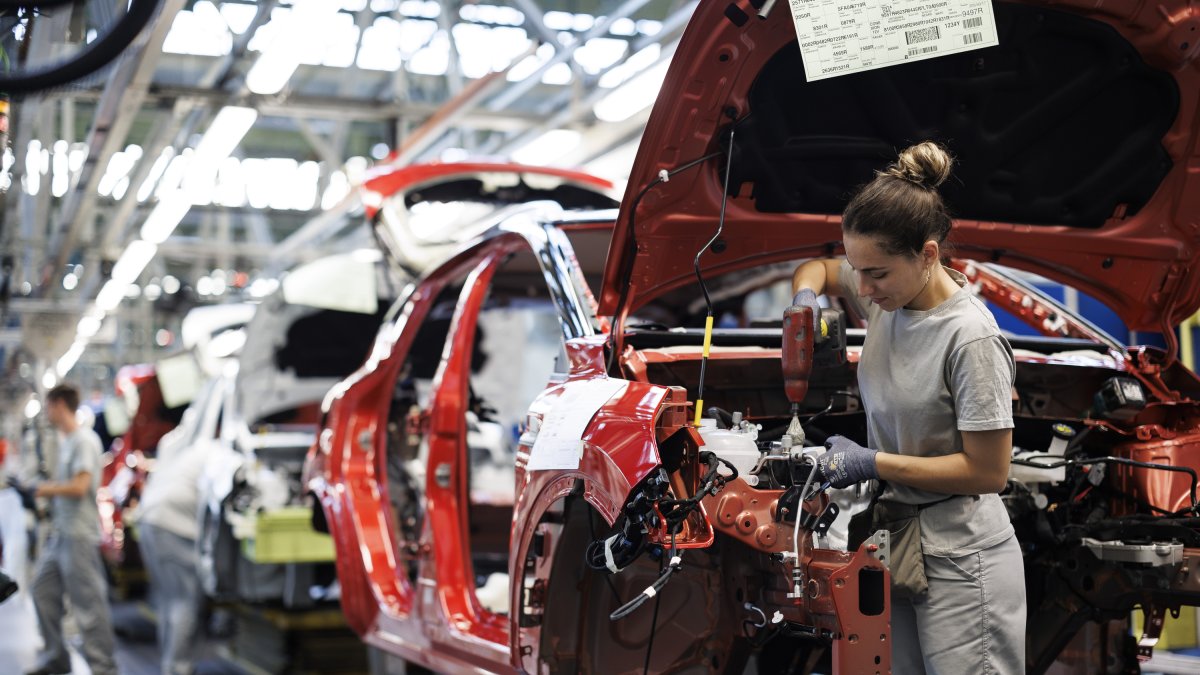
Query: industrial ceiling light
(67,361)
(89,325)
(227,130)
(110,295)
(225,133)
(304,27)
(131,263)
(165,217)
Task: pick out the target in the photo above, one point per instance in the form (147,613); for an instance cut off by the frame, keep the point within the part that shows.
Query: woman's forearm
(948,474)
(811,275)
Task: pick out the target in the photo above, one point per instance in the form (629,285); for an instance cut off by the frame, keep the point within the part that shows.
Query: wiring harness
(654,507)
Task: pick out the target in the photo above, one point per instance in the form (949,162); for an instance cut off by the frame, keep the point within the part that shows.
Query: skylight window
(493,14)
(303,191)
(434,58)
(174,173)
(37,164)
(583,22)
(343,43)
(387,42)
(633,96)
(599,53)
(426,9)
(265,34)
(119,167)
(558,20)
(623,26)
(531,63)
(649,27)
(559,73)
(231,183)
(335,191)
(156,172)
(238,16)
(334,44)
(640,61)
(201,32)
(482,50)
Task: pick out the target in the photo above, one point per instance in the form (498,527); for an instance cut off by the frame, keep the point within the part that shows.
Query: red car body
(1076,141)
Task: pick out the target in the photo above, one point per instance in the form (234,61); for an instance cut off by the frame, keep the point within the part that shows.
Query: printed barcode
(973,22)
(972,38)
(922,50)
(922,35)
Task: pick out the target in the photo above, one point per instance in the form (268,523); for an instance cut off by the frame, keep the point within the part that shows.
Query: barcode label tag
(839,37)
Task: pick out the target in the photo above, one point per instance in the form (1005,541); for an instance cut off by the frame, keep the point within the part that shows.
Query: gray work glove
(805,297)
(846,462)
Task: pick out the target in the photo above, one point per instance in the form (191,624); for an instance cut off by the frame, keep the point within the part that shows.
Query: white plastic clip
(609,561)
(664,176)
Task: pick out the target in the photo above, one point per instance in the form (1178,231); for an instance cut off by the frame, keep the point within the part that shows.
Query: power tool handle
(797,357)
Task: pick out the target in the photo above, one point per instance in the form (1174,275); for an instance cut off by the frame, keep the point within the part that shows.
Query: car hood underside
(1073,139)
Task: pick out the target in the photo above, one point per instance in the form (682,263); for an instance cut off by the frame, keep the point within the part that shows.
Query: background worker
(936,377)
(168,526)
(69,562)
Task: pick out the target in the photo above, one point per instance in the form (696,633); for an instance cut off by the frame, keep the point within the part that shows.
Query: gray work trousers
(175,588)
(71,567)
(971,622)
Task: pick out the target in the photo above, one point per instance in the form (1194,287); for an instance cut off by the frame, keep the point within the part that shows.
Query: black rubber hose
(92,58)
(1117,460)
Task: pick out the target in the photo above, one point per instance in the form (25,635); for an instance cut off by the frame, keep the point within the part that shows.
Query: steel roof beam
(122,99)
(563,52)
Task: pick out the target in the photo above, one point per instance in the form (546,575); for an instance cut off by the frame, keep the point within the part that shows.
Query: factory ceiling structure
(222,147)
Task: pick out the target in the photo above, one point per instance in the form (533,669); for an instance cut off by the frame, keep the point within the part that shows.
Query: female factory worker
(936,378)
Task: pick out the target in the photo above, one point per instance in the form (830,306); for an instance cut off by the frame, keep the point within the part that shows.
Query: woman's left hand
(846,462)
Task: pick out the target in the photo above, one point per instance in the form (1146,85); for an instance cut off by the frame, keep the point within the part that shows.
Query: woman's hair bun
(927,164)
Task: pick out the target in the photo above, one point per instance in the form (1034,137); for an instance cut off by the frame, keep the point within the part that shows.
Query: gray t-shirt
(925,377)
(78,518)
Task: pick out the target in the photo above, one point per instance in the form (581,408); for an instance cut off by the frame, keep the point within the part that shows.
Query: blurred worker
(69,563)
(167,529)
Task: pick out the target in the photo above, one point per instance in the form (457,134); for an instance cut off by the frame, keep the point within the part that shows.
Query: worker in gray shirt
(936,379)
(69,565)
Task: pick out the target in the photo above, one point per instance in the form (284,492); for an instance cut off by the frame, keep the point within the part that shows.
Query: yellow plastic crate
(286,536)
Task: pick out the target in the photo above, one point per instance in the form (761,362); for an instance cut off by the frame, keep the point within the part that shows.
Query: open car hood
(1075,140)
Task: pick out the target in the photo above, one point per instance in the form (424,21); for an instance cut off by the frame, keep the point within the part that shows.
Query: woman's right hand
(805,297)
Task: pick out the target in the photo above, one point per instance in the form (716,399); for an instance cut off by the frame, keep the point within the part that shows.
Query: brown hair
(66,393)
(901,207)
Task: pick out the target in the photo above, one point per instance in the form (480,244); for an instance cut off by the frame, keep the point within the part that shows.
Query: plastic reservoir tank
(736,446)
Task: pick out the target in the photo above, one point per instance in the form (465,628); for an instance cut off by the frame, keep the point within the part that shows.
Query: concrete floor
(137,653)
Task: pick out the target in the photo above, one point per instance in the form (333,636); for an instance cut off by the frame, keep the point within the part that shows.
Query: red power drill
(802,348)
